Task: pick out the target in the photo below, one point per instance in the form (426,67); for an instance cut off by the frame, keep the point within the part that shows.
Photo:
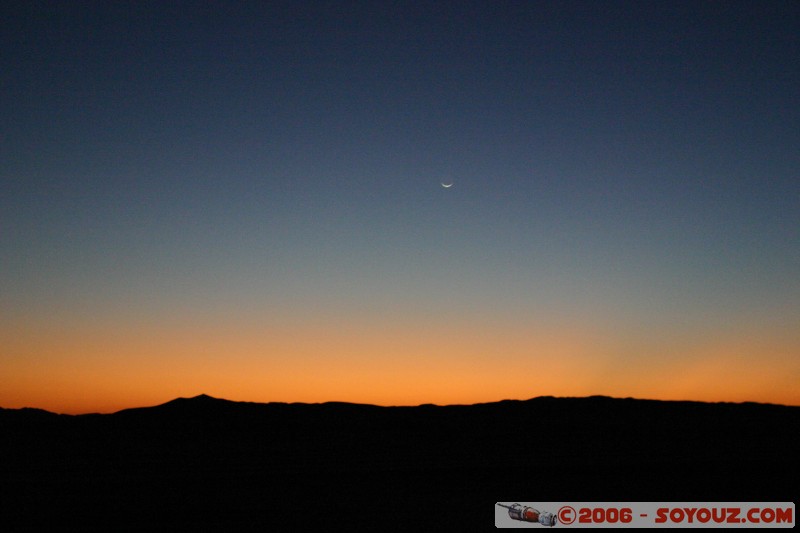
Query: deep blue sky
(629,166)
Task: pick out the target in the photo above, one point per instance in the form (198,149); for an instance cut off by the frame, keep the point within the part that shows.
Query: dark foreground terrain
(216,465)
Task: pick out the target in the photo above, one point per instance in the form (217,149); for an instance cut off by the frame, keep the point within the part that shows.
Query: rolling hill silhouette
(216,463)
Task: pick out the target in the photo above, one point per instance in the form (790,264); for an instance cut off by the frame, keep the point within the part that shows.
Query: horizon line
(204,396)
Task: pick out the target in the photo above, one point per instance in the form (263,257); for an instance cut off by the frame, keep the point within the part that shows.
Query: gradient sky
(245,200)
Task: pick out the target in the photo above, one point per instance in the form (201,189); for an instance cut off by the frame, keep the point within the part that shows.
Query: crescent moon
(447,185)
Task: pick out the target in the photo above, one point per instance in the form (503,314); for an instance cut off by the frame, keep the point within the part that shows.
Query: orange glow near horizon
(78,370)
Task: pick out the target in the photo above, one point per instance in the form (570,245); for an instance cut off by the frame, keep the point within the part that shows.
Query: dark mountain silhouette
(218,464)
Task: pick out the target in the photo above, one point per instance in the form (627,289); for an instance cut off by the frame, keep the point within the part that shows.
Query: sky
(245,200)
